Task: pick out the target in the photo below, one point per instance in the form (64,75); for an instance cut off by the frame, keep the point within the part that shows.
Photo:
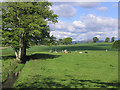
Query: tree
(95,39)
(116,44)
(67,40)
(76,43)
(112,39)
(25,22)
(107,39)
(52,40)
(60,41)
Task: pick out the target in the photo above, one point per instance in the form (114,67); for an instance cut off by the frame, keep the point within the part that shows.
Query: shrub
(116,44)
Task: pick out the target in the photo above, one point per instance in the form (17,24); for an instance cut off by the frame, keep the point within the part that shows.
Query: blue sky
(83,21)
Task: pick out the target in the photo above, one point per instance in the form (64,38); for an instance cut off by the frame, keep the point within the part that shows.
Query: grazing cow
(65,50)
(86,52)
(56,52)
(80,52)
(50,51)
(106,50)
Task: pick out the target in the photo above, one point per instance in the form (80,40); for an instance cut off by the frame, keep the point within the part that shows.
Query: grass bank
(9,67)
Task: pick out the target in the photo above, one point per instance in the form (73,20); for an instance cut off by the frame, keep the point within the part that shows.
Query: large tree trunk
(17,55)
(22,52)
(21,55)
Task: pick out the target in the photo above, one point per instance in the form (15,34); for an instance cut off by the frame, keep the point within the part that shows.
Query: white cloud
(62,34)
(115,5)
(86,28)
(78,24)
(64,10)
(71,28)
(93,22)
(87,4)
(102,8)
(83,1)
(101,26)
(68,9)
(62,26)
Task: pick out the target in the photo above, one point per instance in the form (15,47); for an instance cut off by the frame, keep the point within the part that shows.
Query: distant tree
(50,45)
(107,39)
(112,39)
(116,44)
(75,42)
(52,40)
(67,40)
(60,41)
(95,39)
(57,42)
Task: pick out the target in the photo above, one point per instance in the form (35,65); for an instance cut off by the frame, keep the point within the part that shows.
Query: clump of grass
(10,66)
(19,68)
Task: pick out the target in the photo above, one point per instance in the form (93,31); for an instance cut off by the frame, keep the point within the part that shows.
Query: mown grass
(94,69)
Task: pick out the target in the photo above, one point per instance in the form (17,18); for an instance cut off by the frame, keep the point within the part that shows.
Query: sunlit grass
(97,68)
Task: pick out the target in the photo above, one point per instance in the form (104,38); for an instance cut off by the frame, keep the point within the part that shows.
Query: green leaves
(116,44)
(107,39)
(95,39)
(26,21)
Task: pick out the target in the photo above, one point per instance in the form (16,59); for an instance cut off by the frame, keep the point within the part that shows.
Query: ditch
(12,78)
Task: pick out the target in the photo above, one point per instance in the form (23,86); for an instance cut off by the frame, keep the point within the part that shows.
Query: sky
(85,20)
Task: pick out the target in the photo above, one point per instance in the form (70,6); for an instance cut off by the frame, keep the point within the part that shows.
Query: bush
(116,44)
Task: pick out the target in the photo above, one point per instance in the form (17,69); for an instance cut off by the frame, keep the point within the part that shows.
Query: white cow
(80,52)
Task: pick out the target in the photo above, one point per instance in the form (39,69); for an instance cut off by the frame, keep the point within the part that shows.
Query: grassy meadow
(94,69)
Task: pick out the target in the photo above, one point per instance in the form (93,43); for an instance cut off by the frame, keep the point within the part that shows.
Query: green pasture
(94,69)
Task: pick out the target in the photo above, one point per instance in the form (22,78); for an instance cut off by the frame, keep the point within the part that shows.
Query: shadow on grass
(33,57)
(74,48)
(104,45)
(40,82)
(42,56)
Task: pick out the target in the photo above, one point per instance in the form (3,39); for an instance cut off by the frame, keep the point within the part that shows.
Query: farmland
(94,69)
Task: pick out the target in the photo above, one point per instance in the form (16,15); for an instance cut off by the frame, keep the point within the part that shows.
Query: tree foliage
(95,39)
(112,39)
(60,41)
(67,40)
(116,44)
(25,22)
(107,39)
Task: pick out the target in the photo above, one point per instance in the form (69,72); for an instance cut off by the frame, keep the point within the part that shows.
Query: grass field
(94,69)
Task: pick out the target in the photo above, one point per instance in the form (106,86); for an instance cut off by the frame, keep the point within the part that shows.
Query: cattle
(86,52)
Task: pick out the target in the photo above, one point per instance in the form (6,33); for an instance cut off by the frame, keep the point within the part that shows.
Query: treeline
(66,41)
(53,41)
(107,39)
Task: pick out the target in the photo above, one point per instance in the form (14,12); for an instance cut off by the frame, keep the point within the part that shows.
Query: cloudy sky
(83,21)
